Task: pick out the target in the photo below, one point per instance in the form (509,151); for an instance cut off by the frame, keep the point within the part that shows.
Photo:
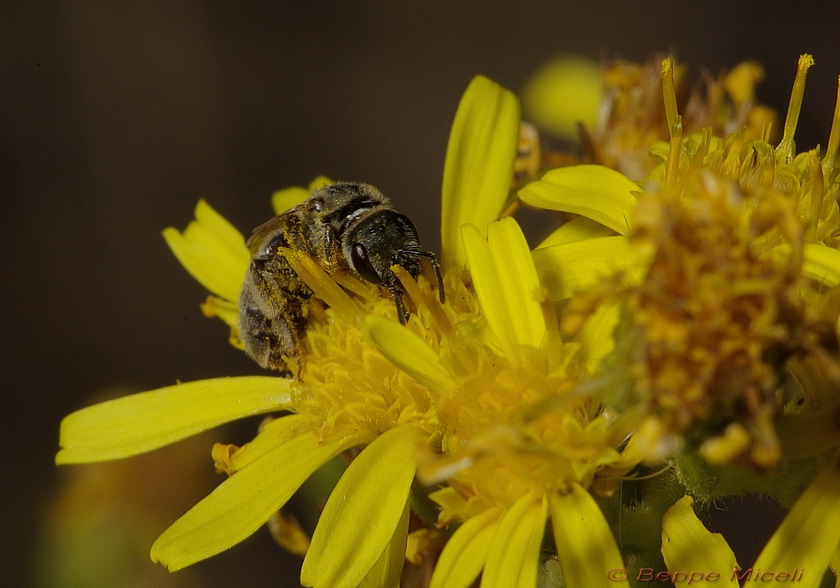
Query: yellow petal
(246,500)
(226,310)
(479,162)
(218,226)
(514,554)
(822,263)
(570,267)
(283,200)
(577,229)
(810,533)
(517,279)
(585,544)
(212,251)
(387,570)
(596,337)
(466,551)
(273,433)
(506,284)
(363,511)
(408,352)
(319,182)
(596,192)
(141,422)
(693,554)
(485,280)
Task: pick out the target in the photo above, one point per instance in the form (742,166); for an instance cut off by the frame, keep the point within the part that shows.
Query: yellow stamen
(669,93)
(833,139)
(766,130)
(222,454)
(817,193)
(672,174)
(785,149)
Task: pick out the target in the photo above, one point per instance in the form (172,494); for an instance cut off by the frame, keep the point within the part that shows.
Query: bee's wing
(263,233)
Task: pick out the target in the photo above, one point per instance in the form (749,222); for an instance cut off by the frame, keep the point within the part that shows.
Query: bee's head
(377,242)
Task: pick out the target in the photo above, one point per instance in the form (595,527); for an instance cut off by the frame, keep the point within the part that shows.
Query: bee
(346,226)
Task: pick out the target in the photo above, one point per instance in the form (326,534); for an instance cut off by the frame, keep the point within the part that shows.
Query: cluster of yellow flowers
(678,331)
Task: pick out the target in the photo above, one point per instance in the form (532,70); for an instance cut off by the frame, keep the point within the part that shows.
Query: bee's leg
(266,340)
(438,276)
(269,342)
(436,268)
(398,302)
(283,356)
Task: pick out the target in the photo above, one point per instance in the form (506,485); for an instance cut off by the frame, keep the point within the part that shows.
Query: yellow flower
(708,261)
(348,394)
(687,311)
(732,226)
(519,440)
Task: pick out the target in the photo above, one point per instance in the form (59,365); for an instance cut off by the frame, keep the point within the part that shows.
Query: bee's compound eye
(362,265)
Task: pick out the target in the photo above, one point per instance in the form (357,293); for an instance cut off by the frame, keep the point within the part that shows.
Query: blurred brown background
(116,117)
